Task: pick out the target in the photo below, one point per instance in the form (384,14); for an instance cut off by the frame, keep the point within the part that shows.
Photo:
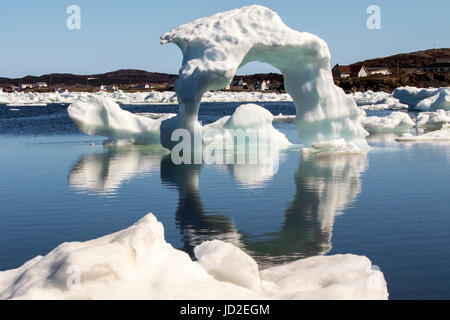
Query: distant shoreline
(376,82)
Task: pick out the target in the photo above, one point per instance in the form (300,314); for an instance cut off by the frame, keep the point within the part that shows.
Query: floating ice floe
(380,100)
(215,47)
(283,118)
(367,100)
(253,121)
(153,115)
(104,117)
(438,135)
(134,98)
(396,122)
(424,99)
(224,96)
(338,145)
(412,95)
(441,100)
(433,120)
(369,97)
(137,263)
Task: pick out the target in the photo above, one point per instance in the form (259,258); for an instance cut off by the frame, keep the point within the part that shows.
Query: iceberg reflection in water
(104,173)
(324,185)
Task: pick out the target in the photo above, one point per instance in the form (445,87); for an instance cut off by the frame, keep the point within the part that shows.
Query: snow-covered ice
(215,47)
(283,118)
(438,135)
(396,122)
(137,263)
(338,145)
(424,99)
(135,98)
(433,120)
(441,100)
(380,100)
(366,100)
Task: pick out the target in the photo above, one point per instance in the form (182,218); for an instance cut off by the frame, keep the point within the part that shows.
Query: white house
(40,85)
(109,87)
(358,71)
(25,86)
(378,70)
(341,71)
(239,82)
(142,86)
(261,85)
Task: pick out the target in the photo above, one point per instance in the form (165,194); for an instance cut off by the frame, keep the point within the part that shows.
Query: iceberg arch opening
(215,47)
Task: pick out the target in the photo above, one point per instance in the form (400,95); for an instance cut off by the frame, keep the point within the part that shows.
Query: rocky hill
(415,59)
(119,77)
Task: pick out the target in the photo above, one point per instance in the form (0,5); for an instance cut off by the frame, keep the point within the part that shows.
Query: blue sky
(125,34)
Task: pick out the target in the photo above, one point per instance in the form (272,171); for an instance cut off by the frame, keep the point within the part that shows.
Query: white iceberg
(252,120)
(137,263)
(396,122)
(215,47)
(102,116)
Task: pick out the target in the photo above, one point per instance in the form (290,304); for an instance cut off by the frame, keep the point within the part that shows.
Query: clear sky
(115,35)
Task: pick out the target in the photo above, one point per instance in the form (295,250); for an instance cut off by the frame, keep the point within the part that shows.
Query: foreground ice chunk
(103,117)
(215,47)
(137,263)
(222,260)
(396,122)
(327,278)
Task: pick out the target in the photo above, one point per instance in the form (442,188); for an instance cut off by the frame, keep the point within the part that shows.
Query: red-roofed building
(349,71)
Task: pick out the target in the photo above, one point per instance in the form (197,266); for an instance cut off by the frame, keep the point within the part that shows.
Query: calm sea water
(391,205)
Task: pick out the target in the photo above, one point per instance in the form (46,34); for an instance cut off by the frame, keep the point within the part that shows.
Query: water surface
(391,205)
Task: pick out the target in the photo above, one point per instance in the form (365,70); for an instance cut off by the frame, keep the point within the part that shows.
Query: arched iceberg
(215,47)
